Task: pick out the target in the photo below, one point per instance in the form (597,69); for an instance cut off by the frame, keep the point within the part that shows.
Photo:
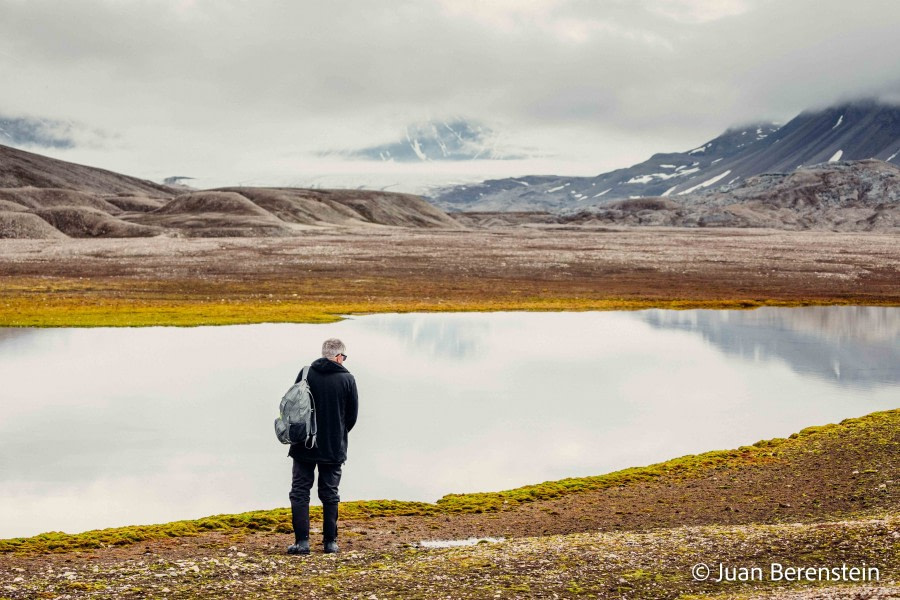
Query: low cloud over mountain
(450,140)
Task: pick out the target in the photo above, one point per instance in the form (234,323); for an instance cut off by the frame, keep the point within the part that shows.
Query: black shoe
(301,547)
(331,547)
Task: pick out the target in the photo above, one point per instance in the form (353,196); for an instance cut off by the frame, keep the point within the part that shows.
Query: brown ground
(380,265)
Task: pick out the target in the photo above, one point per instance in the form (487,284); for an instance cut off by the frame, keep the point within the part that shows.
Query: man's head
(334,349)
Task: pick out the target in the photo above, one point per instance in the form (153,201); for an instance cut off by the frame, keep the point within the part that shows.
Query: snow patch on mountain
(700,150)
(706,183)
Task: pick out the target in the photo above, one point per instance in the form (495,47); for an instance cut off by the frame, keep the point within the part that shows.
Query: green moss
(873,430)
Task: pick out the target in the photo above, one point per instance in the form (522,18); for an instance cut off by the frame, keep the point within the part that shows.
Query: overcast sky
(234,90)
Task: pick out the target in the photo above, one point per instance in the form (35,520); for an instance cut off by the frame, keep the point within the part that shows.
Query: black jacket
(334,394)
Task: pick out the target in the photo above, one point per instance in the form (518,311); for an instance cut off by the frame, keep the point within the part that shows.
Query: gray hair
(332,347)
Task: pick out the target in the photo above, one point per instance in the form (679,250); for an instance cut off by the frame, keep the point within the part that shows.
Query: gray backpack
(297,423)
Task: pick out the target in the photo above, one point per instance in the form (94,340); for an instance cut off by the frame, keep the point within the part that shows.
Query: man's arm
(351,406)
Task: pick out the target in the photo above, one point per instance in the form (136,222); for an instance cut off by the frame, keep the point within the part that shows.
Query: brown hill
(82,201)
(312,207)
(24,169)
(38,198)
(136,203)
(214,214)
(77,221)
(24,225)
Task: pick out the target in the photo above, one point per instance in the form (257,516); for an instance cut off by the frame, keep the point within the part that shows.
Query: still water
(105,427)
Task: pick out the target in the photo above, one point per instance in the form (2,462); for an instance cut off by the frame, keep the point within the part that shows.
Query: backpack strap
(310,442)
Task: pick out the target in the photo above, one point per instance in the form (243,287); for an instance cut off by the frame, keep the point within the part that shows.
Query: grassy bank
(870,447)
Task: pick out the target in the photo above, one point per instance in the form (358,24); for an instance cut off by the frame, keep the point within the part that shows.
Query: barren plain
(327,272)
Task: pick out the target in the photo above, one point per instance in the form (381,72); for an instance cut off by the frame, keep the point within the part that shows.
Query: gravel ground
(654,564)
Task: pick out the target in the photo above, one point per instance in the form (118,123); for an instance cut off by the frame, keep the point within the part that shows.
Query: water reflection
(853,345)
(101,427)
(440,336)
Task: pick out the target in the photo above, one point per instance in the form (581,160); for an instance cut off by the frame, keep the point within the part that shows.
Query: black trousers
(303,475)
(301,484)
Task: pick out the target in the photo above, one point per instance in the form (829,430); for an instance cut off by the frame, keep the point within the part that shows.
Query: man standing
(336,404)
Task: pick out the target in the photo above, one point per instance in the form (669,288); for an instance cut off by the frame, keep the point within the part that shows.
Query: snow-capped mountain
(853,131)
(455,139)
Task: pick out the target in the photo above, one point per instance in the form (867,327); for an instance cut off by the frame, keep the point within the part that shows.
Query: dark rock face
(854,131)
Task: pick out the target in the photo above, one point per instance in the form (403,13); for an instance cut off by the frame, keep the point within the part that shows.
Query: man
(336,404)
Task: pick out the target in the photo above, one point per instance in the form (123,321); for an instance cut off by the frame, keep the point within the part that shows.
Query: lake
(105,427)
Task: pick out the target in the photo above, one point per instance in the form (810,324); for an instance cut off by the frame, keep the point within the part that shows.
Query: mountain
(852,131)
(44,198)
(455,139)
(841,196)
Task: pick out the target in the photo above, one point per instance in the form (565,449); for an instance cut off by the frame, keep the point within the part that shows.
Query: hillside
(42,198)
(848,132)
(21,169)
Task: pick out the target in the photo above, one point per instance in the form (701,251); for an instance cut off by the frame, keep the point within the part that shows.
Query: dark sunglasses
(344,355)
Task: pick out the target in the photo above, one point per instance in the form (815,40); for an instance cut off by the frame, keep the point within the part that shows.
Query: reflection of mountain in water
(438,337)
(850,345)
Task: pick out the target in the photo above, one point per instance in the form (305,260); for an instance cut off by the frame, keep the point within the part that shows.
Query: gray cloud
(228,84)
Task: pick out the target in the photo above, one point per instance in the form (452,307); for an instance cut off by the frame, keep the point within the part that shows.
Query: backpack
(297,423)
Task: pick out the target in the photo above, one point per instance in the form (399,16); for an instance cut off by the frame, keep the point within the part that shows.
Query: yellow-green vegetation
(875,433)
(64,310)
(54,301)
(876,429)
(278,519)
